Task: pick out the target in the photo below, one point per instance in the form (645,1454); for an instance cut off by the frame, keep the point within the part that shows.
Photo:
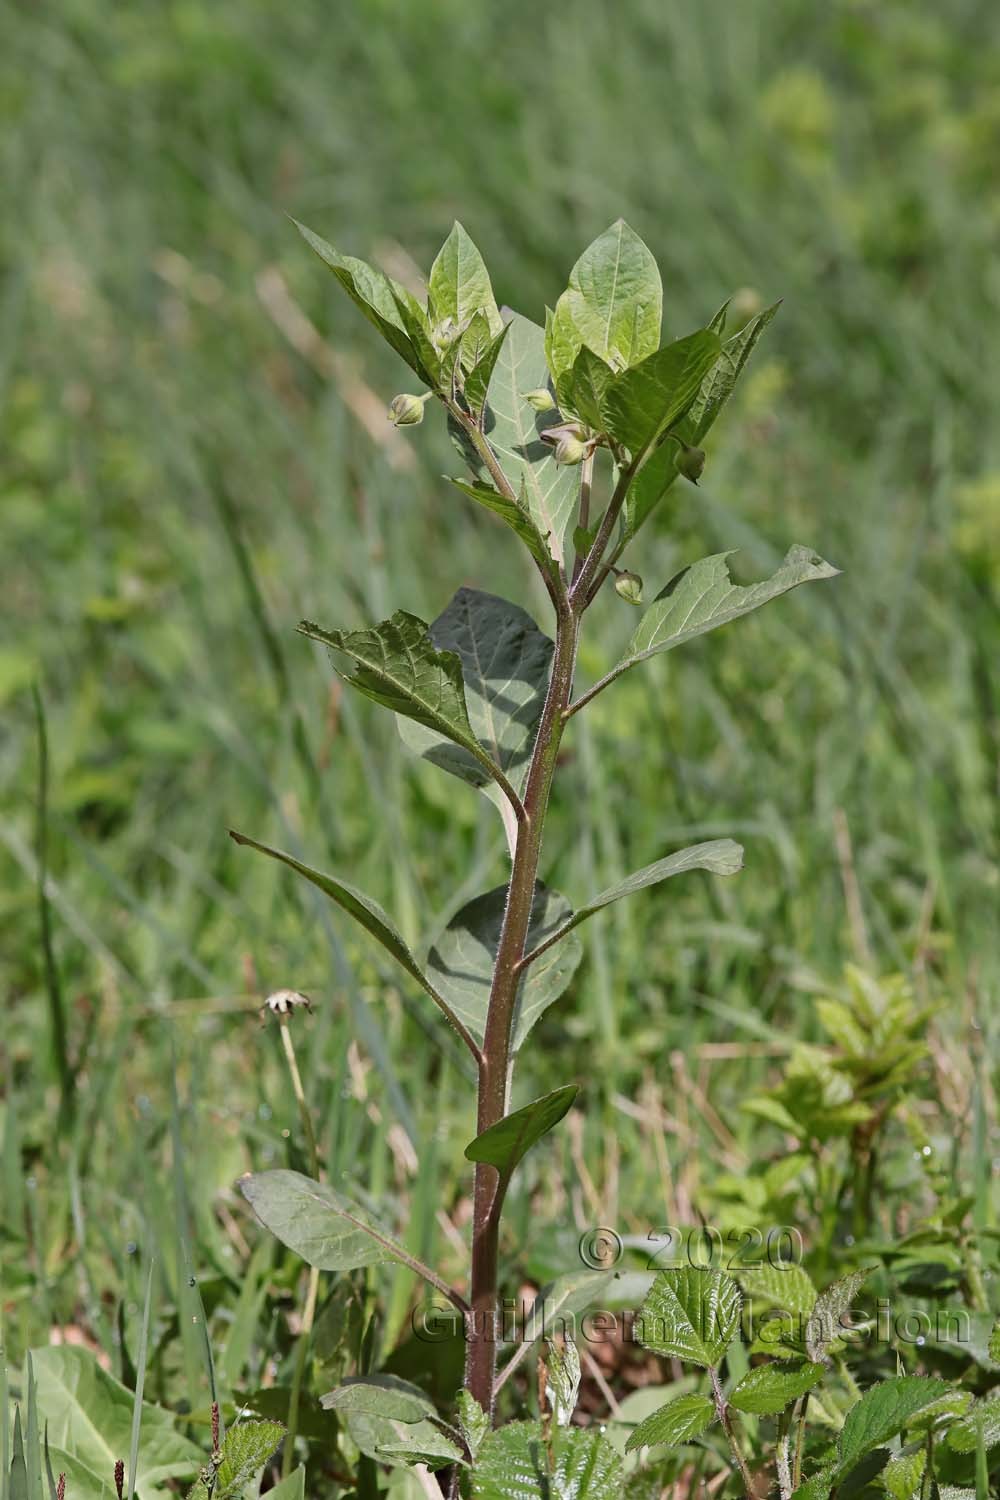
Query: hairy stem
(782,1459)
(495,1065)
(722,1411)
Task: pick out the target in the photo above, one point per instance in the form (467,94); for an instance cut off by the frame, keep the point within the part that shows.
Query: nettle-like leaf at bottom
(678,1422)
(246,1447)
(562,1386)
(768,1389)
(701,598)
(516,1463)
(460,963)
(690,1314)
(885,1410)
(825,1323)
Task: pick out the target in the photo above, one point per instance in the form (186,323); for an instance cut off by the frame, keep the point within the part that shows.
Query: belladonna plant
(572,434)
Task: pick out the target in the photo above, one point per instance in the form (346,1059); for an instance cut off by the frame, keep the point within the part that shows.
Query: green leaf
(473,1422)
(563,340)
(380,1396)
(514,1464)
(514,429)
(459,284)
(375,295)
(461,961)
(581,389)
(329,1231)
(691,1314)
(292,1488)
(650,397)
(678,1422)
(504,1144)
(18,1462)
(89,1418)
(717,856)
(885,1410)
(824,1325)
(361,907)
(703,597)
(981,1422)
(505,662)
(400,1441)
(397,665)
(477,381)
(717,385)
(768,1389)
(648,488)
(563,1383)
(818,1486)
(993,1347)
(615,297)
(787,1287)
(515,514)
(246,1447)
(475,341)
(901,1476)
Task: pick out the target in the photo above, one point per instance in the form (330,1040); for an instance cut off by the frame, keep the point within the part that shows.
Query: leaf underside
(460,963)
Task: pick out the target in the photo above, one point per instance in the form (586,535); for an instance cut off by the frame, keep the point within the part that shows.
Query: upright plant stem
(494,1068)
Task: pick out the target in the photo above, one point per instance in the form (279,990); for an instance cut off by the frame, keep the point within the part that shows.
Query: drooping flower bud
(568,442)
(406,410)
(628,586)
(541,399)
(445,333)
(570,451)
(691,462)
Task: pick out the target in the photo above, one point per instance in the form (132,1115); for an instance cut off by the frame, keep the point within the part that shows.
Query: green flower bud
(445,334)
(541,399)
(691,462)
(568,442)
(406,411)
(628,586)
(569,450)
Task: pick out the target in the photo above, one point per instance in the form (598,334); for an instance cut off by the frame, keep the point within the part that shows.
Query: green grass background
(181,484)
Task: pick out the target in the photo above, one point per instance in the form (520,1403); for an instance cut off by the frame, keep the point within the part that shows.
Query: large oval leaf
(329,1231)
(514,430)
(505,662)
(614,301)
(88,1415)
(460,963)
